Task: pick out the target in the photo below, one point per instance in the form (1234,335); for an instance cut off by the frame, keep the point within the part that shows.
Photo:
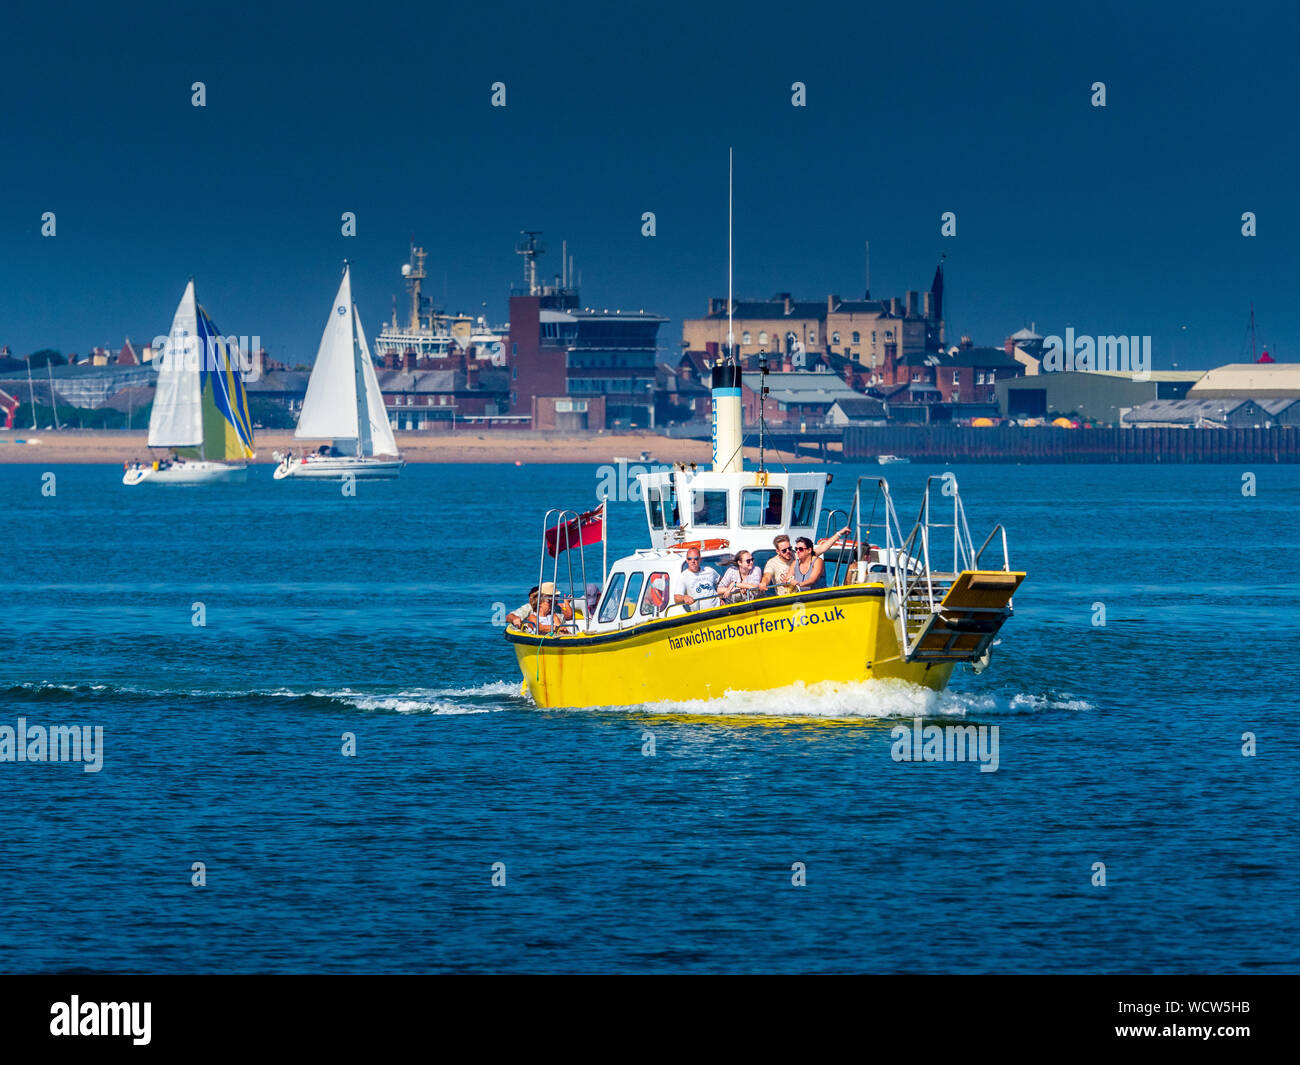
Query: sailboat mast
(31,391)
(54,403)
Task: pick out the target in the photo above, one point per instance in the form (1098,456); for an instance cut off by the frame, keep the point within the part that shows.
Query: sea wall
(1022,444)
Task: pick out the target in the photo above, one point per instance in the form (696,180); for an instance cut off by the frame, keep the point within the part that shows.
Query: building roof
(803,386)
(1260,380)
(279,381)
(861,407)
(980,357)
(667,379)
(494,379)
(775,308)
(1175,411)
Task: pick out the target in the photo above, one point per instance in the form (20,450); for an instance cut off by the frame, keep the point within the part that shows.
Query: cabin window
(654,502)
(613,597)
(671,517)
(630,596)
(656,594)
(803,510)
(710,508)
(760,507)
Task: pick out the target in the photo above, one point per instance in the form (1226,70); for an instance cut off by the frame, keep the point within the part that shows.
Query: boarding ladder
(941,615)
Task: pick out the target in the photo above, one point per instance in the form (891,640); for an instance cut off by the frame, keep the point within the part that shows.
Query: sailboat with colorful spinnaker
(343,405)
(200,407)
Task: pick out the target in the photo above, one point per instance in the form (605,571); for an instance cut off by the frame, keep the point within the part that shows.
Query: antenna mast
(731,336)
(530,248)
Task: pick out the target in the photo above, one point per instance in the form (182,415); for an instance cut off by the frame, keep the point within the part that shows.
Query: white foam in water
(857,699)
(825,699)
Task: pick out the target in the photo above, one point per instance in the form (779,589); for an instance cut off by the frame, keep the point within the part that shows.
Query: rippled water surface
(374,616)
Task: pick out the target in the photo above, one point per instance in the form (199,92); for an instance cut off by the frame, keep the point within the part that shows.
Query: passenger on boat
(697,583)
(777,570)
(741,580)
(524,616)
(546,610)
(808,571)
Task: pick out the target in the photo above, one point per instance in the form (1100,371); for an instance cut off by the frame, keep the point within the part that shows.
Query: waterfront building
(1257,380)
(795,398)
(871,333)
(963,374)
(1227,412)
(577,367)
(1102,396)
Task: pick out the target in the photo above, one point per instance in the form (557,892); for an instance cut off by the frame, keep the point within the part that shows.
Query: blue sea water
(374,615)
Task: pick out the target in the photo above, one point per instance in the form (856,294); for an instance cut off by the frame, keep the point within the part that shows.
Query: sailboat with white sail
(200,408)
(343,404)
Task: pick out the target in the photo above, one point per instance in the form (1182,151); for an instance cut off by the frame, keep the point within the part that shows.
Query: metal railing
(832,526)
(907,560)
(565,519)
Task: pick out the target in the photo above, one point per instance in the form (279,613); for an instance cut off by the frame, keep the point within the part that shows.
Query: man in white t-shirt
(697,583)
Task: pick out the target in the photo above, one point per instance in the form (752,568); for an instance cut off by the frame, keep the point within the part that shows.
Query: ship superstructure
(428,335)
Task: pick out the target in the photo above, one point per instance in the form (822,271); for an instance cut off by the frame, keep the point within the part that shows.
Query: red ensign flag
(588,528)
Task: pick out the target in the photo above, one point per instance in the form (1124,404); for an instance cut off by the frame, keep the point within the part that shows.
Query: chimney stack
(895,306)
(927,302)
(831,303)
(408,361)
(786,297)
(911,304)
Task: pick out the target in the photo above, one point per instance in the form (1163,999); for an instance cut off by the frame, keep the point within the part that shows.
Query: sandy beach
(489,445)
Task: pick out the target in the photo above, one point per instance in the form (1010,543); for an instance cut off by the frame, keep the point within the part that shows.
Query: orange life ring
(701,545)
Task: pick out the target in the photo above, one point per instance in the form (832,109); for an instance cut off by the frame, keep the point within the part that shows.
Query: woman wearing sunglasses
(742,579)
(808,570)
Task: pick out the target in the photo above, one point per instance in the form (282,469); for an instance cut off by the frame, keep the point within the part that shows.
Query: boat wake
(864,699)
(481,699)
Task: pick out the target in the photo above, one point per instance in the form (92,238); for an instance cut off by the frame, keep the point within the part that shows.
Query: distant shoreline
(487,446)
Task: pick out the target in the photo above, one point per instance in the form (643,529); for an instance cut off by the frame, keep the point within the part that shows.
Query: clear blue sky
(1117,220)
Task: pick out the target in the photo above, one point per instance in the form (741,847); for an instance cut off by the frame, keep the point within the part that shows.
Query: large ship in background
(430,334)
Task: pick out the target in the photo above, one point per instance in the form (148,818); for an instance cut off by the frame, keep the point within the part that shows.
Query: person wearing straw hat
(546,621)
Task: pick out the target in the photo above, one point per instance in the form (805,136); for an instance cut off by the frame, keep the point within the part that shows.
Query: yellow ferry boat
(893,606)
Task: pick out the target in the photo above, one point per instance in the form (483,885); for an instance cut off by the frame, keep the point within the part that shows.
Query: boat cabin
(746,509)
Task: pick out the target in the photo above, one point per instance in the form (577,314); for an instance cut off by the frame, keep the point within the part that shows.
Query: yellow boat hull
(835,634)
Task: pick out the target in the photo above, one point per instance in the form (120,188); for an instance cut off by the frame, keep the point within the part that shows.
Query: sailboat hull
(182,473)
(336,468)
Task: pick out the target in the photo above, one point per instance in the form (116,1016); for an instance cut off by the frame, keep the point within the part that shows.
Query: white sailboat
(200,408)
(344,405)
